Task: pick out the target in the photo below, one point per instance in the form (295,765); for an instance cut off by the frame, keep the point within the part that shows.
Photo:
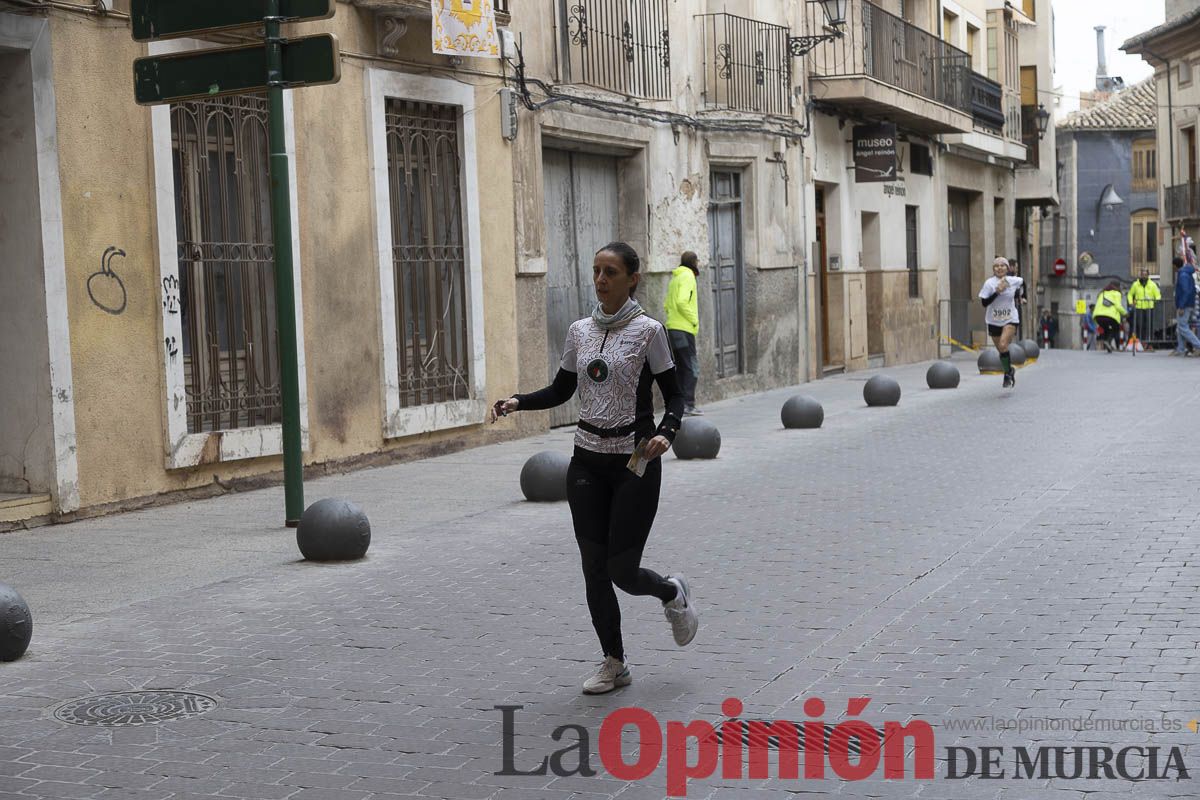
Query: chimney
(1102,82)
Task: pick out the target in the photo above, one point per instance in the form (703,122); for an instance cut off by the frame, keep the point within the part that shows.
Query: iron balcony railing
(1030,136)
(987,103)
(747,65)
(883,46)
(618,45)
(1183,201)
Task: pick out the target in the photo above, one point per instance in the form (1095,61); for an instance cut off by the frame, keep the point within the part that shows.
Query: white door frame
(33,34)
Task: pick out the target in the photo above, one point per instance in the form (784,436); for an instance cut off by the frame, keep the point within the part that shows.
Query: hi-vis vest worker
(1109,304)
(1144,296)
(681,305)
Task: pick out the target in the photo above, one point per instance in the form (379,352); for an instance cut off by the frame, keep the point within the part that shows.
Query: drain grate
(134,708)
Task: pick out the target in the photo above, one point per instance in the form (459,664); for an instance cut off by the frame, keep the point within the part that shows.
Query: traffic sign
(307,61)
(165,19)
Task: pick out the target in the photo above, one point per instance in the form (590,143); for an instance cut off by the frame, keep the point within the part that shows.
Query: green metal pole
(285,287)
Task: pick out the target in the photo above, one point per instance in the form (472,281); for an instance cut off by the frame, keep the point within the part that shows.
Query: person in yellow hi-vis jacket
(1143,296)
(1110,311)
(683,323)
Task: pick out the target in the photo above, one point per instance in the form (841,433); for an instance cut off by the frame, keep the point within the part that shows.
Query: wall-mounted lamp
(1109,200)
(835,18)
(1042,118)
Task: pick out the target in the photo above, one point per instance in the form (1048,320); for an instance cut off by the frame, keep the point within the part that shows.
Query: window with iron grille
(623,46)
(747,64)
(428,254)
(911,252)
(226,273)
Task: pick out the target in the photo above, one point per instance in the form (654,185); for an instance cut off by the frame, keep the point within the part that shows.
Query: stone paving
(966,557)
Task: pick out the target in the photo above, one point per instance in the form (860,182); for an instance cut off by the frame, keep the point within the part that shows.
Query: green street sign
(307,61)
(165,19)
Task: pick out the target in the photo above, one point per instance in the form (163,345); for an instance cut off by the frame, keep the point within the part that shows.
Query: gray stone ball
(881,390)
(1032,351)
(942,375)
(802,411)
(1016,354)
(697,438)
(989,362)
(333,530)
(544,477)
(16,624)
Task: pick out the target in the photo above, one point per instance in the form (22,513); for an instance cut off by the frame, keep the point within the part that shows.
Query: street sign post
(195,74)
(275,65)
(166,19)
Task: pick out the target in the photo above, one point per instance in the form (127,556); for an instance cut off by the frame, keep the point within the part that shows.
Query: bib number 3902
(1001,313)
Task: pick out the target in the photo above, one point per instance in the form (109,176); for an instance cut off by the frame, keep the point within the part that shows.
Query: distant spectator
(1143,295)
(1185,307)
(1048,326)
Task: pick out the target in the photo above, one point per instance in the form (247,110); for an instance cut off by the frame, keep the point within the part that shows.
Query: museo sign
(875,158)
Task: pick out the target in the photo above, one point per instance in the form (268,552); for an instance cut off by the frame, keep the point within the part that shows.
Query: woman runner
(615,473)
(999,295)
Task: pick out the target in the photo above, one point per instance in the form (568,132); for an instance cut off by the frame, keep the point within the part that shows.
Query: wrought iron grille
(620,45)
(226,278)
(885,47)
(747,65)
(1182,201)
(424,172)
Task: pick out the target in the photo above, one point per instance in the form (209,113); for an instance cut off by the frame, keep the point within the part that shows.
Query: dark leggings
(612,510)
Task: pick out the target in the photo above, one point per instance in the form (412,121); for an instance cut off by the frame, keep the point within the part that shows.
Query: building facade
(447,210)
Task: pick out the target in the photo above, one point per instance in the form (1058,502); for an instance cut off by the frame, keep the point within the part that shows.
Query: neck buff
(628,312)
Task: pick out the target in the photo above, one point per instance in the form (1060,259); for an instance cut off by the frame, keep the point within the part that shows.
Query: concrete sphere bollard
(802,411)
(881,391)
(1016,354)
(1032,351)
(16,624)
(333,530)
(697,438)
(544,477)
(942,375)
(989,362)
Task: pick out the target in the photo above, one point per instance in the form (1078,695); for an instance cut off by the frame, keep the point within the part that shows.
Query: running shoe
(692,411)
(613,674)
(1008,381)
(681,612)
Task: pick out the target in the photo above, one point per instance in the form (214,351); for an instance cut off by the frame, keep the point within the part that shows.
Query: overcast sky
(1075,21)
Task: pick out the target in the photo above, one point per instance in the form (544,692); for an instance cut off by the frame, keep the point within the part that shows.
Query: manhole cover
(134,708)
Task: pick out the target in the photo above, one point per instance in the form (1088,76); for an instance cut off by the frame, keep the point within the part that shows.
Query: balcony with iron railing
(884,66)
(1182,202)
(617,46)
(747,65)
(987,103)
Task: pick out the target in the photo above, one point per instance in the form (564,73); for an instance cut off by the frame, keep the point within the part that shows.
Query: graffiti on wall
(105,287)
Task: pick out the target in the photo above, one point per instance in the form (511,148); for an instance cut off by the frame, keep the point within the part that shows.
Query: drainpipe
(804,262)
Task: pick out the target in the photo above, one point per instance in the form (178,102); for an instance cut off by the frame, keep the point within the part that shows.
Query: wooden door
(725,258)
(581,217)
(960,266)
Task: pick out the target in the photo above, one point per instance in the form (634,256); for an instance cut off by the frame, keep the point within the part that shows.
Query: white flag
(465,28)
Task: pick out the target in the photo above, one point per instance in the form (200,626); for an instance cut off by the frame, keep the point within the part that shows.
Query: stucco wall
(1105,158)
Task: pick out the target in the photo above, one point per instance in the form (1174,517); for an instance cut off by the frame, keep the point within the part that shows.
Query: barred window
(428,254)
(226,263)
(1143,241)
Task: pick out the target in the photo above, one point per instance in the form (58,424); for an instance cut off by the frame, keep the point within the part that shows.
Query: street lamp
(1042,117)
(835,18)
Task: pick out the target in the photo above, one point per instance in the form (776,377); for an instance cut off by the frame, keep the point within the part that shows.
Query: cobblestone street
(968,555)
